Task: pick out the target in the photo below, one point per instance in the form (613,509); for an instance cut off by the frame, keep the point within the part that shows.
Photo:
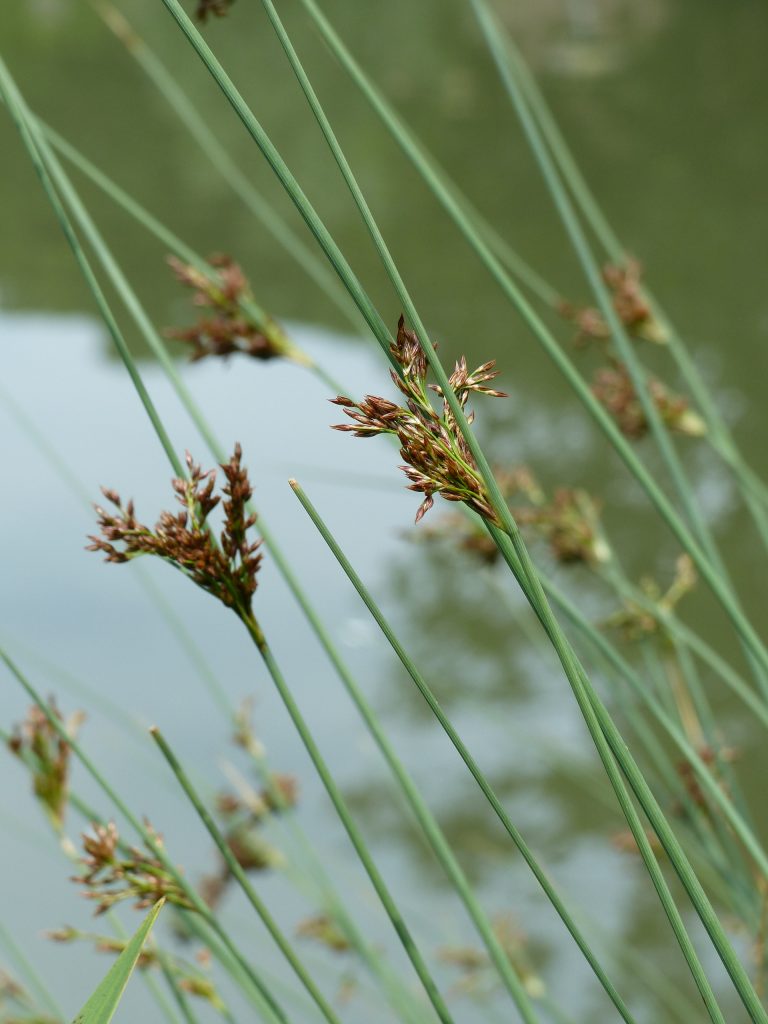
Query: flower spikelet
(113,874)
(50,758)
(185,539)
(436,455)
(614,389)
(231,322)
(219,8)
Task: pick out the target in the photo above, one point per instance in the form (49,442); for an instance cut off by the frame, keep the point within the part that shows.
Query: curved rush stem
(463,751)
(242,879)
(350,826)
(218,155)
(463,221)
(512,534)
(495,39)
(274,1011)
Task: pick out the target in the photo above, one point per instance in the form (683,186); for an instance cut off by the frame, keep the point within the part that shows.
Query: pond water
(664,104)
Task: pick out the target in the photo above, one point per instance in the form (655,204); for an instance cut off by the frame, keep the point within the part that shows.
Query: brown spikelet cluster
(218,8)
(569,523)
(476,968)
(714,760)
(631,305)
(185,540)
(323,929)
(245,818)
(467,534)
(635,621)
(231,322)
(112,874)
(48,755)
(437,457)
(612,386)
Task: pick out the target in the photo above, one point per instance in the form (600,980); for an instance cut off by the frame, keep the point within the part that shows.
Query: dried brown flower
(475,964)
(438,459)
(185,540)
(569,522)
(466,533)
(713,759)
(219,8)
(636,621)
(113,875)
(232,322)
(613,388)
(323,929)
(48,755)
(631,305)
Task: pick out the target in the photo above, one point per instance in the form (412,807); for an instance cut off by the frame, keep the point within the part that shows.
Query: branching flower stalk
(185,540)
(112,875)
(437,456)
(231,322)
(48,755)
(228,572)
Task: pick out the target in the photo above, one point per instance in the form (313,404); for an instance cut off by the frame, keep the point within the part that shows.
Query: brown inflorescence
(232,322)
(629,302)
(113,875)
(47,753)
(466,533)
(612,386)
(437,456)
(185,539)
(216,7)
(636,622)
(323,929)
(569,523)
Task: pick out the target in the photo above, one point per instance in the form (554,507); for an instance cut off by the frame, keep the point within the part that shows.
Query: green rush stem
(627,807)
(252,896)
(513,538)
(599,716)
(539,600)
(756,492)
(529,316)
(143,322)
(34,980)
(205,934)
(707,654)
(217,153)
(462,750)
(400,999)
(169,240)
(21,118)
(495,37)
(346,818)
(179,996)
(437,841)
(610,745)
(276,1014)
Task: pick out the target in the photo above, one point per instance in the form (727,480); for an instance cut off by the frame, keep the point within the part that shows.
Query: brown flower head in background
(437,457)
(47,754)
(227,570)
(216,7)
(113,874)
(232,322)
(631,306)
(612,386)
